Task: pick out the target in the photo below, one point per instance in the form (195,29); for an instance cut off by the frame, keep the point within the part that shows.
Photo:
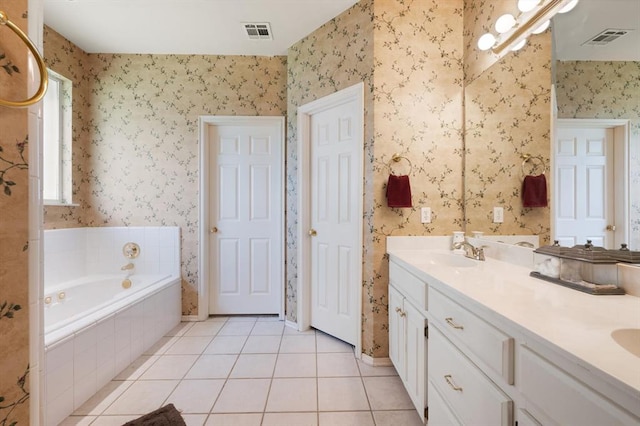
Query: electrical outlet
(425,215)
(498,215)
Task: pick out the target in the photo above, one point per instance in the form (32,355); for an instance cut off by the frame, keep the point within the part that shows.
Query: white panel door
(246,219)
(584,186)
(335,246)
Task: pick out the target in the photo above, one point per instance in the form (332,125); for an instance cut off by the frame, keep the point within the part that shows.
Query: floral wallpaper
(413,106)
(14,232)
(135,147)
(507,114)
(600,89)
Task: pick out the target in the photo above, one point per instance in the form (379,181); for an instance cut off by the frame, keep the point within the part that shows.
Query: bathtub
(93,326)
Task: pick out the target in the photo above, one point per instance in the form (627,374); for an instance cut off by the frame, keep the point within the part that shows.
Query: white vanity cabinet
(407,330)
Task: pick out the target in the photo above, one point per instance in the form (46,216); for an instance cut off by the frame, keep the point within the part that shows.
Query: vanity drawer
(557,395)
(474,398)
(408,284)
(439,412)
(491,345)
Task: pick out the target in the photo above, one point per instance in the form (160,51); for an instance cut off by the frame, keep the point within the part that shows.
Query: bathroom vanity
(482,342)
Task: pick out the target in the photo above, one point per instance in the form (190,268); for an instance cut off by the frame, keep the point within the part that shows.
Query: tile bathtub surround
(293,379)
(76,252)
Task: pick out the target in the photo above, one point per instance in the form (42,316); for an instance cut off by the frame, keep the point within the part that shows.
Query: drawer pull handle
(403,314)
(398,310)
(453,324)
(450,383)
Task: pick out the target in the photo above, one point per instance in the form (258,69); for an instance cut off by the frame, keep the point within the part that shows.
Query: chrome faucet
(470,251)
(129,266)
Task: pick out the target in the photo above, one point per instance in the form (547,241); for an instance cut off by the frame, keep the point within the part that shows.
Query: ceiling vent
(258,31)
(606,37)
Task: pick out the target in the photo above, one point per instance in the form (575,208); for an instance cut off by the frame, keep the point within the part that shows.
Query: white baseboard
(291,324)
(376,362)
(189,318)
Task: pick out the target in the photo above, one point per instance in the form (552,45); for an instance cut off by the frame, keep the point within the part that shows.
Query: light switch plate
(498,215)
(425,215)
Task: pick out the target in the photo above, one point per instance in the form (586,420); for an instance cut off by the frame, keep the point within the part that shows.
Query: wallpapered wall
(14,232)
(413,106)
(594,89)
(135,150)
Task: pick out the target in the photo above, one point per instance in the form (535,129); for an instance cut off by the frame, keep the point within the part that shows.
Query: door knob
(213,230)
(611,227)
(313,232)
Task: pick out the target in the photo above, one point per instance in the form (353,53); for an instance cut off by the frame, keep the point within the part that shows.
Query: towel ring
(4,20)
(537,163)
(395,158)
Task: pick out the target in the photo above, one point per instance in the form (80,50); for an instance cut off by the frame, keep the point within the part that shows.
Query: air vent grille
(258,31)
(606,37)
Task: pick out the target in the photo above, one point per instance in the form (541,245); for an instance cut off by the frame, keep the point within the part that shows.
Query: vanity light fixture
(534,19)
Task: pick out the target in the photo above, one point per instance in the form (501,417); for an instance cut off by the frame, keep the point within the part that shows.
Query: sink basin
(629,339)
(450,259)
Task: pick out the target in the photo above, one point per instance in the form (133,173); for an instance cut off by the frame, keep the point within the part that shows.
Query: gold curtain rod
(4,20)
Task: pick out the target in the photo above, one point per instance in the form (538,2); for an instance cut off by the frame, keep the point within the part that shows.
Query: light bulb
(505,23)
(527,5)
(520,45)
(542,28)
(569,6)
(486,42)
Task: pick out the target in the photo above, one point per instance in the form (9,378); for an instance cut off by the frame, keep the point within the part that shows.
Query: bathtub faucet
(129,266)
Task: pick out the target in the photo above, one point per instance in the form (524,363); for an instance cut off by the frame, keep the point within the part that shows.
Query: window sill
(59,204)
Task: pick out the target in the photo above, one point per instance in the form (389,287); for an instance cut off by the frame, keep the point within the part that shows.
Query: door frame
(621,140)
(204,269)
(353,93)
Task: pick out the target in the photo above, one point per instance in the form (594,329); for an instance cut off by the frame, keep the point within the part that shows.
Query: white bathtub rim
(59,336)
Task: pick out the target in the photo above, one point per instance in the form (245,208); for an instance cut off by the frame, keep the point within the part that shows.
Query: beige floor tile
(187,345)
(170,367)
(292,395)
(236,328)
(370,370)
(142,397)
(348,418)
(103,398)
(290,419)
(180,329)
(77,421)
(194,419)
(292,331)
(137,368)
(268,328)
(234,419)
(387,393)
(113,420)
(251,366)
(226,345)
(341,394)
(195,396)
(242,318)
(161,346)
(268,318)
(298,344)
(295,365)
(243,396)
(337,365)
(212,367)
(204,328)
(395,418)
(262,344)
(328,343)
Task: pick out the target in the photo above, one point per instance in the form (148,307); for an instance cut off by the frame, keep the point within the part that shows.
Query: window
(56,153)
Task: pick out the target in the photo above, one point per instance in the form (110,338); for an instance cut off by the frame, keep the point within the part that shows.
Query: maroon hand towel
(399,191)
(534,191)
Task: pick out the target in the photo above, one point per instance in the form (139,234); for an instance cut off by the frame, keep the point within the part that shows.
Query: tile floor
(252,371)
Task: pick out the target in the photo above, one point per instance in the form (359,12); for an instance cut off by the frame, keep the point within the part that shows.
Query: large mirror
(509,115)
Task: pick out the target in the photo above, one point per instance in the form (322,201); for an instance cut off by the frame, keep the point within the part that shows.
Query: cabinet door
(416,359)
(439,412)
(397,347)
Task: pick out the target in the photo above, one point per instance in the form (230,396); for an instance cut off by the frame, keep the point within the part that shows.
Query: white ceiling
(590,17)
(207,27)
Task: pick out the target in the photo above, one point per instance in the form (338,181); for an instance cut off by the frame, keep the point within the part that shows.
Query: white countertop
(579,324)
